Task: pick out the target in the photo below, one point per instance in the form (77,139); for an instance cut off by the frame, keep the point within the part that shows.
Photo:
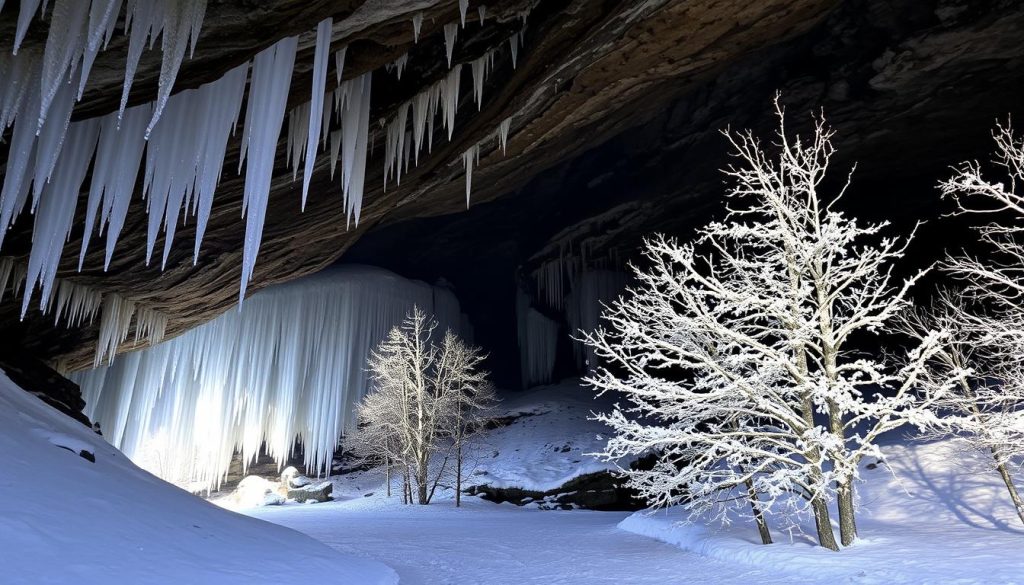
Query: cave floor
(484,543)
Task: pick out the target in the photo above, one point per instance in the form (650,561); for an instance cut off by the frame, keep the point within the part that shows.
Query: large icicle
(450,97)
(463,8)
(417,26)
(115,320)
(182,21)
(65,43)
(469,158)
(355,128)
(27,12)
(503,129)
(57,212)
(290,364)
(323,46)
(268,97)
(450,31)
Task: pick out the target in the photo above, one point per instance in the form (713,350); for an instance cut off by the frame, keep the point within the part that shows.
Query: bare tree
(424,396)
(987,406)
(729,346)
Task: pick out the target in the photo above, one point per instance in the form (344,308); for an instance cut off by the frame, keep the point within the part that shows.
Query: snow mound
(939,516)
(547,445)
(67,519)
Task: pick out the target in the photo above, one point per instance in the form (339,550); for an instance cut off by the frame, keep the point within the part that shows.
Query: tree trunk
(421,483)
(1008,480)
(762,524)
(847,518)
(823,524)
(458,476)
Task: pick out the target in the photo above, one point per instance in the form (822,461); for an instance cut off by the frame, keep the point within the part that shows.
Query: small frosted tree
(733,351)
(987,408)
(424,394)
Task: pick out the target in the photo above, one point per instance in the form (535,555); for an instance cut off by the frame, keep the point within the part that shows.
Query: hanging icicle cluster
(290,364)
(76,304)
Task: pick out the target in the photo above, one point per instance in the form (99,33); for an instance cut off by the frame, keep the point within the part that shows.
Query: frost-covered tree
(984,407)
(733,350)
(987,408)
(424,395)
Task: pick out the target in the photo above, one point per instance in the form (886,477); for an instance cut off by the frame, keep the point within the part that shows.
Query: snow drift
(73,509)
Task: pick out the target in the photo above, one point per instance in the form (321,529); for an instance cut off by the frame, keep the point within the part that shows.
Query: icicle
(469,158)
(503,129)
(513,45)
(115,320)
(417,25)
(482,10)
(298,128)
(290,364)
(335,150)
(268,97)
(339,62)
(463,8)
(150,325)
(75,303)
(450,30)
(450,98)
(323,45)
(355,126)
(143,20)
(56,212)
(480,68)
(182,19)
(65,42)
(399,65)
(394,149)
(27,11)
(538,342)
(102,21)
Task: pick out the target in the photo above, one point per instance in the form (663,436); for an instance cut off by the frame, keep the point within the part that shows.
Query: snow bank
(66,519)
(547,446)
(941,517)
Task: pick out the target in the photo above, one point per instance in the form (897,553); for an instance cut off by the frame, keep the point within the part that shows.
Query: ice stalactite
(339,62)
(65,44)
(481,68)
(550,279)
(398,66)
(50,138)
(291,363)
(75,303)
(513,48)
(150,325)
(182,20)
(298,136)
(115,321)
(503,129)
(538,342)
(482,11)
(584,306)
(316,112)
(469,158)
(185,156)
(56,212)
(463,9)
(102,21)
(268,97)
(450,97)
(27,12)
(417,26)
(355,128)
(115,169)
(450,31)
(394,146)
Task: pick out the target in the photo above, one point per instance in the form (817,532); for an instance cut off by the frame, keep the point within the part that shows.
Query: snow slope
(65,519)
(939,516)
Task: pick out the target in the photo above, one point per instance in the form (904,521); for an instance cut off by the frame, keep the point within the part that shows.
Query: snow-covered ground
(943,517)
(67,519)
(940,516)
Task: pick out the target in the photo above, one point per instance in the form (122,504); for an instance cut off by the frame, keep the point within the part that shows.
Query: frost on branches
(986,405)
(427,402)
(732,350)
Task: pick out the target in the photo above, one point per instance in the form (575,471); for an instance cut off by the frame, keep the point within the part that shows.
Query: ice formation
(398,65)
(469,158)
(290,364)
(503,129)
(463,8)
(584,306)
(268,97)
(323,47)
(355,130)
(450,31)
(482,11)
(417,26)
(481,68)
(538,342)
(513,46)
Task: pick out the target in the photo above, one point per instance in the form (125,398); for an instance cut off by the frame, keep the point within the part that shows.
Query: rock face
(595,491)
(36,377)
(615,108)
